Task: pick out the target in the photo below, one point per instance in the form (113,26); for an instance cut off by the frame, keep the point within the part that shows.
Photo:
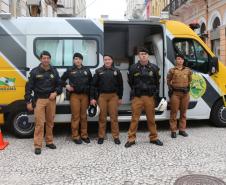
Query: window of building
(195,55)
(62,50)
(215,37)
(203,28)
(216,23)
(203,32)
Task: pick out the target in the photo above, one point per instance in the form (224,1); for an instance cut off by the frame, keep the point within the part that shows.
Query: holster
(151,92)
(170,92)
(33,101)
(137,92)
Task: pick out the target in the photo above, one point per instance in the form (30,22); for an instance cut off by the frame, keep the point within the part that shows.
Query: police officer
(40,94)
(143,79)
(79,88)
(107,87)
(178,81)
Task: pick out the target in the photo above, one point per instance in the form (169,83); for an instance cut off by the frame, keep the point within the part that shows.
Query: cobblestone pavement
(203,152)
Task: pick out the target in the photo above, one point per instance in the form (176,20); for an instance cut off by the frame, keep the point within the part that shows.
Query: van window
(62,50)
(195,56)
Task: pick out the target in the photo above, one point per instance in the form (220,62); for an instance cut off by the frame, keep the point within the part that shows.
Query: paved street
(203,152)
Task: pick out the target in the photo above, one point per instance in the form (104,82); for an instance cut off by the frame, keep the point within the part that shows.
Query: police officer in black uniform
(79,88)
(107,88)
(143,79)
(43,86)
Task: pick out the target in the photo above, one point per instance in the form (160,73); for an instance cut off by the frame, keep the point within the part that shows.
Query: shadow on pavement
(61,129)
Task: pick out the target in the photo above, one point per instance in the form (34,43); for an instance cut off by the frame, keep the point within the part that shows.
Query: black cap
(78,55)
(179,55)
(143,49)
(107,55)
(45,53)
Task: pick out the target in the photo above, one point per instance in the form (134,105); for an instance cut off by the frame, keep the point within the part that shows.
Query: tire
(218,114)
(19,124)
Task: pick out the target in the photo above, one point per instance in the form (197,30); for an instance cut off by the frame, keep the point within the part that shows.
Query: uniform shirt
(79,79)
(179,78)
(144,78)
(42,82)
(107,80)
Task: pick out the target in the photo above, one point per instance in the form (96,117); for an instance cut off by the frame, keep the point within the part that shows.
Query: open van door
(122,39)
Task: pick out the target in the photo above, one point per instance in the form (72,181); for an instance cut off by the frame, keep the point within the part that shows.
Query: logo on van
(197,86)
(7,84)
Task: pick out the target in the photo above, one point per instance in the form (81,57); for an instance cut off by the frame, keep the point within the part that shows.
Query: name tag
(39,76)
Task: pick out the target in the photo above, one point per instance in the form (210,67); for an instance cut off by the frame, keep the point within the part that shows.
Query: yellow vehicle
(22,40)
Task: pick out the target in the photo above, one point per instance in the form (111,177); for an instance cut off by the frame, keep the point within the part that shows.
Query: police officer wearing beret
(178,81)
(40,95)
(143,78)
(107,88)
(79,88)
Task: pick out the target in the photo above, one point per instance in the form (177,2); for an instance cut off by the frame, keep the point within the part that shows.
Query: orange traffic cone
(3,143)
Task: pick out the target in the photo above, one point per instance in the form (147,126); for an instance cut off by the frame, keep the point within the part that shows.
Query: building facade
(16,8)
(135,9)
(35,8)
(157,6)
(71,8)
(44,8)
(211,17)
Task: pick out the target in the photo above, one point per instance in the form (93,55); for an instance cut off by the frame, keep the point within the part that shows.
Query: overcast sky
(114,8)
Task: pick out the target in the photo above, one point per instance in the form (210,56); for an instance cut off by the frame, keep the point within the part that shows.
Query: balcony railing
(174,5)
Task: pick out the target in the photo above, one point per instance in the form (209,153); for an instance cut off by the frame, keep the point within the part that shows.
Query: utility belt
(107,92)
(81,92)
(42,95)
(143,92)
(80,89)
(181,89)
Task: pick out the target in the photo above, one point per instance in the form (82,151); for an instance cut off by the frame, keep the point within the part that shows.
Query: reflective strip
(12,51)
(210,95)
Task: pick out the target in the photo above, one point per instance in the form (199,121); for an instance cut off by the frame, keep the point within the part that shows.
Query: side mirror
(213,65)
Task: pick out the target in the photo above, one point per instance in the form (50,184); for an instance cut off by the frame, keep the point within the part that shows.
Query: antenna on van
(5,15)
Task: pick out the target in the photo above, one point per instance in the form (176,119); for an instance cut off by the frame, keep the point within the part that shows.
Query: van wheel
(20,125)
(218,114)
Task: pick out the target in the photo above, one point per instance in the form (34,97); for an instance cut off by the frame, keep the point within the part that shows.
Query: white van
(22,40)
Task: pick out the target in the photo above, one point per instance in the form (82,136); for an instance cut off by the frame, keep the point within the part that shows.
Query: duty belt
(42,95)
(182,89)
